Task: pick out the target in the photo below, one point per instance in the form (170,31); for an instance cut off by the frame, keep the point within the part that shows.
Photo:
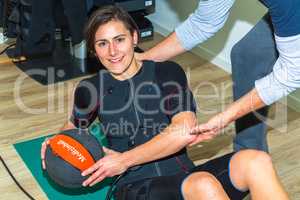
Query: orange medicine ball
(70,153)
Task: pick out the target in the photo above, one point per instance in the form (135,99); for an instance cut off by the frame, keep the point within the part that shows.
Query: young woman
(147,112)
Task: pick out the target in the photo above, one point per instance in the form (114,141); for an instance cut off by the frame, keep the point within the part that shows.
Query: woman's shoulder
(93,79)
(170,71)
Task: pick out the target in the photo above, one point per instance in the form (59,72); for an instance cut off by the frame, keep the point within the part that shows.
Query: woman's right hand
(67,126)
(43,151)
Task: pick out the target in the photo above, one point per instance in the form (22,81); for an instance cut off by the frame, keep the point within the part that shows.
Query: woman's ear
(135,38)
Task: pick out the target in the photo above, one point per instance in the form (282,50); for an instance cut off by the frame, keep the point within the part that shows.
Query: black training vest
(132,124)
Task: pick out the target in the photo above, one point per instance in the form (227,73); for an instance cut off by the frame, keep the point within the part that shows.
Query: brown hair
(104,15)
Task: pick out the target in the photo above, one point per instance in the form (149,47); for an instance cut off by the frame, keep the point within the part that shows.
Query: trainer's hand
(43,152)
(211,128)
(110,165)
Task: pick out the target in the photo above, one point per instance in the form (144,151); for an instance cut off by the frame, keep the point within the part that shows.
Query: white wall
(244,14)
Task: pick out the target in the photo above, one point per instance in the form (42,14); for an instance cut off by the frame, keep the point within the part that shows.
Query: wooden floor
(18,122)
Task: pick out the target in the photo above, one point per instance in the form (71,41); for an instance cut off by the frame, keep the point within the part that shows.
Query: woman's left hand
(110,165)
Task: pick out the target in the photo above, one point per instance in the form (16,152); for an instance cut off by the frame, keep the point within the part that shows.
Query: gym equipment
(69,154)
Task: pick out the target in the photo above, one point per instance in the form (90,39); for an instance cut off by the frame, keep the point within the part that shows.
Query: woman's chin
(118,68)
(117,72)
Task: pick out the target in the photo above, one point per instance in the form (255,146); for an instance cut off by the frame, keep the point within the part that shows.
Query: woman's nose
(112,49)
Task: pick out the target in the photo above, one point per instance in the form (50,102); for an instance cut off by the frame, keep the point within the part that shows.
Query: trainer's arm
(164,50)
(246,104)
(207,19)
(283,80)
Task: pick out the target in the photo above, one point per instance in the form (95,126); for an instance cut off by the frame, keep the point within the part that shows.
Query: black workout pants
(169,187)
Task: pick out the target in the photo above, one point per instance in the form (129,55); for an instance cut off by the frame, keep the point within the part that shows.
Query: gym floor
(29,110)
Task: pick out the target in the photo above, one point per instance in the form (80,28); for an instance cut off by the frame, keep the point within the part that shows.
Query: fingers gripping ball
(70,153)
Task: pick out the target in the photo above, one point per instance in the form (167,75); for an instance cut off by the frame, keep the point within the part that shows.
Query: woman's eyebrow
(121,35)
(103,40)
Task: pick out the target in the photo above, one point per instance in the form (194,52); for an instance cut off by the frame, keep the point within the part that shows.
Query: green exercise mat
(29,151)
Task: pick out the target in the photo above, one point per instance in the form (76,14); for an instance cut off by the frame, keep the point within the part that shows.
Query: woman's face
(114,46)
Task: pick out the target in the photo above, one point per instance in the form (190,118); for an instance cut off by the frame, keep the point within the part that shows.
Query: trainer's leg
(252,58)
(203,186)
(253,170)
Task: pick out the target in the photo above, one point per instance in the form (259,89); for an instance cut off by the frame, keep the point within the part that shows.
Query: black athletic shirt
(170,78)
